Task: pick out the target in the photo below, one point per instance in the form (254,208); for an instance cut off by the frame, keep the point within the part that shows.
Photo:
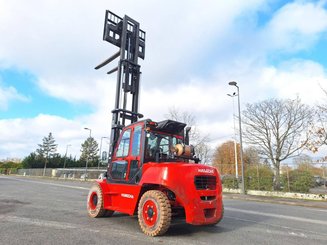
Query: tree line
(46,156)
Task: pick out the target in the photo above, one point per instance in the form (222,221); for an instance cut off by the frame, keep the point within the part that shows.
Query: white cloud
(61,44)
(193,49)
(297,25)
(77,89)
(302,78)
(192,97)
(8,94)
(19,137)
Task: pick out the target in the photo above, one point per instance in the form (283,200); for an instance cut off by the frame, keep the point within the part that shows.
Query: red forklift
(152,169)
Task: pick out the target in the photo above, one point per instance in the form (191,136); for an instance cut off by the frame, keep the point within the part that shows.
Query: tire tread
(164,208)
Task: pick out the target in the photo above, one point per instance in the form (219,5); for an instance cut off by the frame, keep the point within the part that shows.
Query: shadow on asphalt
(187,229)
(178,226)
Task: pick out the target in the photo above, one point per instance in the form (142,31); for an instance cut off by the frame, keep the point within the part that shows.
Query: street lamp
(100,159)
(66,155)
(235,144)
(233,83)
(87,157)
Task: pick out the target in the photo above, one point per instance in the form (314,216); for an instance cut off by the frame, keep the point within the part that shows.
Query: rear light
(154,124)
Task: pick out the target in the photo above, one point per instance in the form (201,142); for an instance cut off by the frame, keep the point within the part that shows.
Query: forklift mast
(125,33)
(135,182)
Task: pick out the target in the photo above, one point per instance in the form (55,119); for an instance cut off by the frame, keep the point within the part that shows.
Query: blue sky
(36,101)
(48,82)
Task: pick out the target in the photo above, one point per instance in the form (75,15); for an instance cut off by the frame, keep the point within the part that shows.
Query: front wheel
(154,213)
(95,207)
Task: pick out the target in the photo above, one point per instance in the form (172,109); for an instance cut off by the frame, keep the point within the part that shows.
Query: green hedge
(8,170)
(230,182)
(298,181)
(259,178)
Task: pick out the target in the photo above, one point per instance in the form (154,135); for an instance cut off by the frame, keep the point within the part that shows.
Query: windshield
(159,145)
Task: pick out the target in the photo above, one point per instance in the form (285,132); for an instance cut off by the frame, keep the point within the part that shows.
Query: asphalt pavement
(43,211)
(278,200)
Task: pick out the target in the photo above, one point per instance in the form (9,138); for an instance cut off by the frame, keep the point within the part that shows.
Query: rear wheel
(154,213)
(95,203)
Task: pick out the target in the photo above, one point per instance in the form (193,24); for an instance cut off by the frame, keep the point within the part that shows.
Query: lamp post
(87,157)
(66,155)
(100,151)
(235,144)
(233,83)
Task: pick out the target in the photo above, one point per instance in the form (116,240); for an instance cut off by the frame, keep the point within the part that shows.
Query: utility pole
(233,83)
(235,143)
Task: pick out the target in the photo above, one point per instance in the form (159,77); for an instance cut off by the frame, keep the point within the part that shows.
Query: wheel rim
(93,201)
(150,213)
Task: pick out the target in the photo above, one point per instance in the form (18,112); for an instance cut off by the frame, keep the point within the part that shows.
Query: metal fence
(63,173)
(303,178)
(257,177)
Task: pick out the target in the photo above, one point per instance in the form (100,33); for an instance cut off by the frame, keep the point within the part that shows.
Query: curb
(279,194)
(302,203)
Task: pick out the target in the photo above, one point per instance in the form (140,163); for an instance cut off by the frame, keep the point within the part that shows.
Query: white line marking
(288,233)
(283,227)
(318,210)
(53,184)
(43,223)
(108,231)
(313,221)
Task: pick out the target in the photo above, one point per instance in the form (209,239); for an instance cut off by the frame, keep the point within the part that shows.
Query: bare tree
(279,129)
(251,156)
(321,126)
(304,160)
(197,139)
(203,151)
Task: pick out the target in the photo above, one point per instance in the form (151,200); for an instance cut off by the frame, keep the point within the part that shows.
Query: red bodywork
(150,163)
(192,185)
(193,188)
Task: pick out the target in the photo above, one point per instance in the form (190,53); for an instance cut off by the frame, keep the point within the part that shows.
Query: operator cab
(147,141)
(158,146)
(161,139)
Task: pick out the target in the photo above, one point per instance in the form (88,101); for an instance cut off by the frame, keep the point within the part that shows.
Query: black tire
(95,203)
(154,213)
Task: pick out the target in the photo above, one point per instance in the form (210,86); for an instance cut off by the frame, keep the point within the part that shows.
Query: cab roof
(170,126)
